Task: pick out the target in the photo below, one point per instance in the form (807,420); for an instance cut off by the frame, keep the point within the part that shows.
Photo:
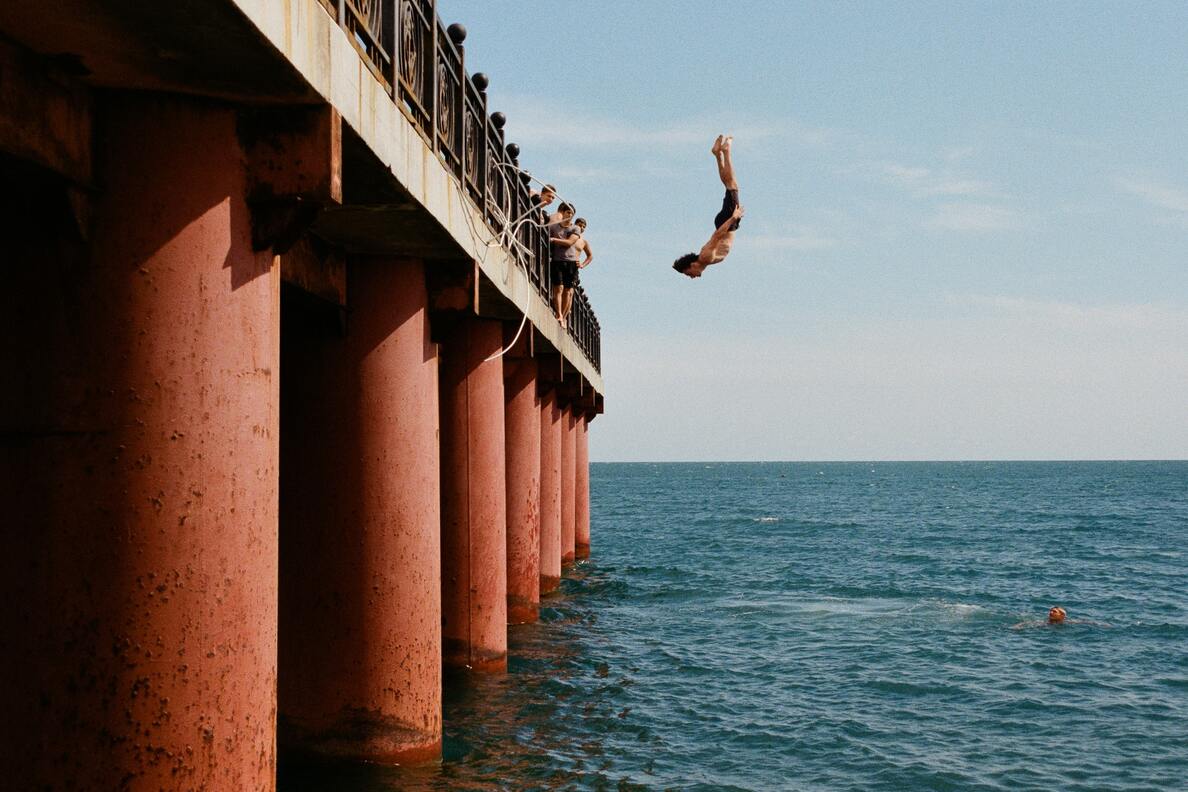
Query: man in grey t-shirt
(563,254)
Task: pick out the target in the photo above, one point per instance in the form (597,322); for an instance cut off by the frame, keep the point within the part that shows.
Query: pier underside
(267,462)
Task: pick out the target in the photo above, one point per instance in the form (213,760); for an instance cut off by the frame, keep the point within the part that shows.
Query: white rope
(512,237)
(523,321)
(504,239)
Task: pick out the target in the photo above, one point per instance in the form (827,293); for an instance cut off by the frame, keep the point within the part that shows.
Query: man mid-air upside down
(726,222)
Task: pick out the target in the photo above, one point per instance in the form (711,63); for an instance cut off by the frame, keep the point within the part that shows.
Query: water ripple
(846,627)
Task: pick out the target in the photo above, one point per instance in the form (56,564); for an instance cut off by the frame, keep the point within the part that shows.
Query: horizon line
(865,461)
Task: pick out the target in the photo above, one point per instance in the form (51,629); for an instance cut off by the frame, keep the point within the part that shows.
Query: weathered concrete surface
(165,47)
(473,498)
(568,480)
(139,469)
(47,115)
(360,544)
(522,428)
(581,495)
(550,492)
(317,270)
(293,153)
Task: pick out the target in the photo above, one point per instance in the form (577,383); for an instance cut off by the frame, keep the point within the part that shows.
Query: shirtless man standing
(725,224)
(581,246)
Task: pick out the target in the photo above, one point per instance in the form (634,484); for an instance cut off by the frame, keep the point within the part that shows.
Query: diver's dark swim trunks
(565,273)
(729,204)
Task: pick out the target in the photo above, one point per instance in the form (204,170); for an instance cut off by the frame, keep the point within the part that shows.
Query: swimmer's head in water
(1056,615)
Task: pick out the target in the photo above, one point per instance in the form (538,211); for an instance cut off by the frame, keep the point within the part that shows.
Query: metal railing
(422,64)
(584,327)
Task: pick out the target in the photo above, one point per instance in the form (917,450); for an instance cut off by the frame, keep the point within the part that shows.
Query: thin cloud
(1071,314)
(800,239)
(536,122)
(973,218)
(1161,196)
(927,182)
(951,186)
(955,154)
(571,173)
(1017,378)
(906,174)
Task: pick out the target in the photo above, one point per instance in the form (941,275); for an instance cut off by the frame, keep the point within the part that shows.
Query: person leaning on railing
(541,201)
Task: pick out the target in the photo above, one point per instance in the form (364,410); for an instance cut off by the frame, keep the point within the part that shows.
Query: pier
(288,425)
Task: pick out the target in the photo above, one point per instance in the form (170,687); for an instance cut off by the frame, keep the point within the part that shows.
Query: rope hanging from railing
(422,61)
(506,238)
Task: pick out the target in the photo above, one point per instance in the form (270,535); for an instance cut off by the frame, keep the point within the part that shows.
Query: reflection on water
(540,724)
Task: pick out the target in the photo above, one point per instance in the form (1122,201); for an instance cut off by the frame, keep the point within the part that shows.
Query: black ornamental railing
(422,64)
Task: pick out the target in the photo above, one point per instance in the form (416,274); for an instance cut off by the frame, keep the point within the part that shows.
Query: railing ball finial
(480,81)
(457,33)
(513,150)
(498,119)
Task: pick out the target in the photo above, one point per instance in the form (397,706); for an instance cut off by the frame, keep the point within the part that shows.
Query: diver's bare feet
(725,146)
(717,146)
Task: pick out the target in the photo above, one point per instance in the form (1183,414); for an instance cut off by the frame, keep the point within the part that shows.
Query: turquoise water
(847,627)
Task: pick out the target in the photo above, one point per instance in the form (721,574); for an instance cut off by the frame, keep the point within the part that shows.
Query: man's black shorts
(729,204)
(565,273)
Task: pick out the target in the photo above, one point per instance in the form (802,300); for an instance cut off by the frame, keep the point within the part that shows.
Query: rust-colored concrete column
(360,649)
(473,498)
(581,495)
(139,468)
(550,492)
(522,428)
(568,480)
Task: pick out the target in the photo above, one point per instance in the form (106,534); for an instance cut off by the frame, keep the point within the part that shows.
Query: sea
(844,626)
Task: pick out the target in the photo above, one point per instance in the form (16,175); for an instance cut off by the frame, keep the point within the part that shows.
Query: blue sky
(966,232)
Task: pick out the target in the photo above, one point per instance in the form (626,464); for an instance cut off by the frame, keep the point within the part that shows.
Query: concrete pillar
(360,650)
(139,470)
(522,428)
(473,498)
(581,497)
(550,492)
(568,480)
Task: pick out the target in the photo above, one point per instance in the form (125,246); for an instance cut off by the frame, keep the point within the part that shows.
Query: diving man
(725,223)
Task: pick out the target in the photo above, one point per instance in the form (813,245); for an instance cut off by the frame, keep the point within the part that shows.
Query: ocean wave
(862,642)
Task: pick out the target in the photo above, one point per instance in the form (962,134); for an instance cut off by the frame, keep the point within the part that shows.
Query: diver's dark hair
(580,221)
(550,188)
(682,264)
(565,207)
